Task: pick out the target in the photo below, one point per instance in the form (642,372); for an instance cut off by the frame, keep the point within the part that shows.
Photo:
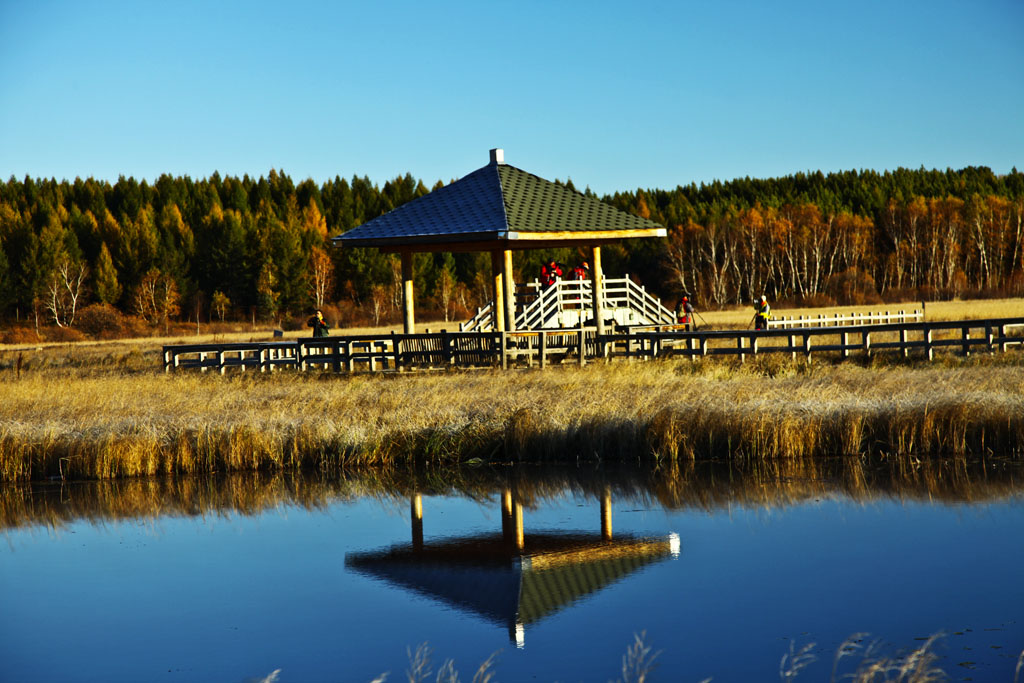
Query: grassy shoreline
(703,486)
(104,414)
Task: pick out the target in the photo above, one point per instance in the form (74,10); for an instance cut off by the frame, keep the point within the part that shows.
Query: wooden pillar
(499,296)
(517,521)
(507,521)
(416,515)
(597,287)
(606,514)
(408,315)
(509,285)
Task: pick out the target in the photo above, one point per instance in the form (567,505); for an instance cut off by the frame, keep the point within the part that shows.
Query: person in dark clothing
(319,325)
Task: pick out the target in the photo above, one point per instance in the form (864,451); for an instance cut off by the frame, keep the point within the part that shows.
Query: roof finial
(497,156)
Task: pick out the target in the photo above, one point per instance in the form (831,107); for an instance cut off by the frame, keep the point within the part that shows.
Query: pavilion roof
(482,574)
(499,206)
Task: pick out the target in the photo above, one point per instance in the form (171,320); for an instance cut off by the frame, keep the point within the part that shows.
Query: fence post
(903,342)
(792,345)
(928,351)
(583,345)
(866,343)
(739,345)
(846,345)
(966,339)
(807,347)
(1002,341)
(543,350)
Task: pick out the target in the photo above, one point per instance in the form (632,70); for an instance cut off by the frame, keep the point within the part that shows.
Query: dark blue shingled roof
(489,204)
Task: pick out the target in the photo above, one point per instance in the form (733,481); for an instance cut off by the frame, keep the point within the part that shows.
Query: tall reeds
(108,420)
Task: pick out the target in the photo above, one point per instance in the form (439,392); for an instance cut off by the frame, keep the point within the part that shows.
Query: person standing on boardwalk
(319,325)
(684,313)
(762,313)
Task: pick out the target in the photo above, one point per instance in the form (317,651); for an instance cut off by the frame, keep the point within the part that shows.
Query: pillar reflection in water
(416,514)
(507,580)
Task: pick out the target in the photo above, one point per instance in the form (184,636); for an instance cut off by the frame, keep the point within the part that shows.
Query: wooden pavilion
(499,209)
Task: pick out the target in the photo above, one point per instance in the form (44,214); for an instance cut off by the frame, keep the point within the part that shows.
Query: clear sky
(614,95)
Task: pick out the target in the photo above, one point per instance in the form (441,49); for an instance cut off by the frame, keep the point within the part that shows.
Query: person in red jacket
(684,313)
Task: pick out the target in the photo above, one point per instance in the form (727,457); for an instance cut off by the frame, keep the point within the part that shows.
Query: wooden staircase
(569,304)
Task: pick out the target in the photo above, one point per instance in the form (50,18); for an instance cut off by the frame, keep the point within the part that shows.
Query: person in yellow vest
(762,313)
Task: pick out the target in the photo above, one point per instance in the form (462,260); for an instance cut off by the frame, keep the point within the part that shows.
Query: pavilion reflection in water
(512,578)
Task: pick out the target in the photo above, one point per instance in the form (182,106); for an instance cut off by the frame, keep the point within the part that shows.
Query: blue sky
(613,95)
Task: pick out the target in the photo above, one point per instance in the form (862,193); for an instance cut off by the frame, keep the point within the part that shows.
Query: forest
(89,257)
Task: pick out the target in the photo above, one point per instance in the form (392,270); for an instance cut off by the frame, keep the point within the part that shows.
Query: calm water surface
(232,580)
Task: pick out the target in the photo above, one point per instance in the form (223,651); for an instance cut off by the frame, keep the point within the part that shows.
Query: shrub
(64,334)
(101,321)
(817,301)
(20,335)
(852,286)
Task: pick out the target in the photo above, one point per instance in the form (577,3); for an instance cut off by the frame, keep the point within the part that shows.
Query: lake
(723,569)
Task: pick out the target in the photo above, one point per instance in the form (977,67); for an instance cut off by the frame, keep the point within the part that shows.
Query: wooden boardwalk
(540,348)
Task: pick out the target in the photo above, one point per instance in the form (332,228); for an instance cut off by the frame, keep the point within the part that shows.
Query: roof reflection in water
(513,579)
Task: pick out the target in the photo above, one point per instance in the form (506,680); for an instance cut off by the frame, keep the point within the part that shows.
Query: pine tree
(105,283)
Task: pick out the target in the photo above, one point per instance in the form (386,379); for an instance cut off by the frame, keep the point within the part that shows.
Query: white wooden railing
(868,318)
(567,303)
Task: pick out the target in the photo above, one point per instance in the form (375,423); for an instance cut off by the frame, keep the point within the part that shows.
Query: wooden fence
(438,350)
(867,318)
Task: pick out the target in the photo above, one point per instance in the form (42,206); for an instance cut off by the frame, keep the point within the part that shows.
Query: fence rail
(868,318)
(439,350)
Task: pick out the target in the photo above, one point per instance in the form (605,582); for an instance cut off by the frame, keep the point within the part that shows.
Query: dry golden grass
(934,311)
(95,413)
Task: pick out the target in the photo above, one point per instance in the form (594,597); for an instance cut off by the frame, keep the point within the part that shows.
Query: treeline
(239,248)
(851,237)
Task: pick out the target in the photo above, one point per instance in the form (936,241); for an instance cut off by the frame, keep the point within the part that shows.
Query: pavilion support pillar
(517,519)
(606,514)
(510,292)
(507,521)
(497,266)
(408,316)
(512,520)
(416,516)
(597,287)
